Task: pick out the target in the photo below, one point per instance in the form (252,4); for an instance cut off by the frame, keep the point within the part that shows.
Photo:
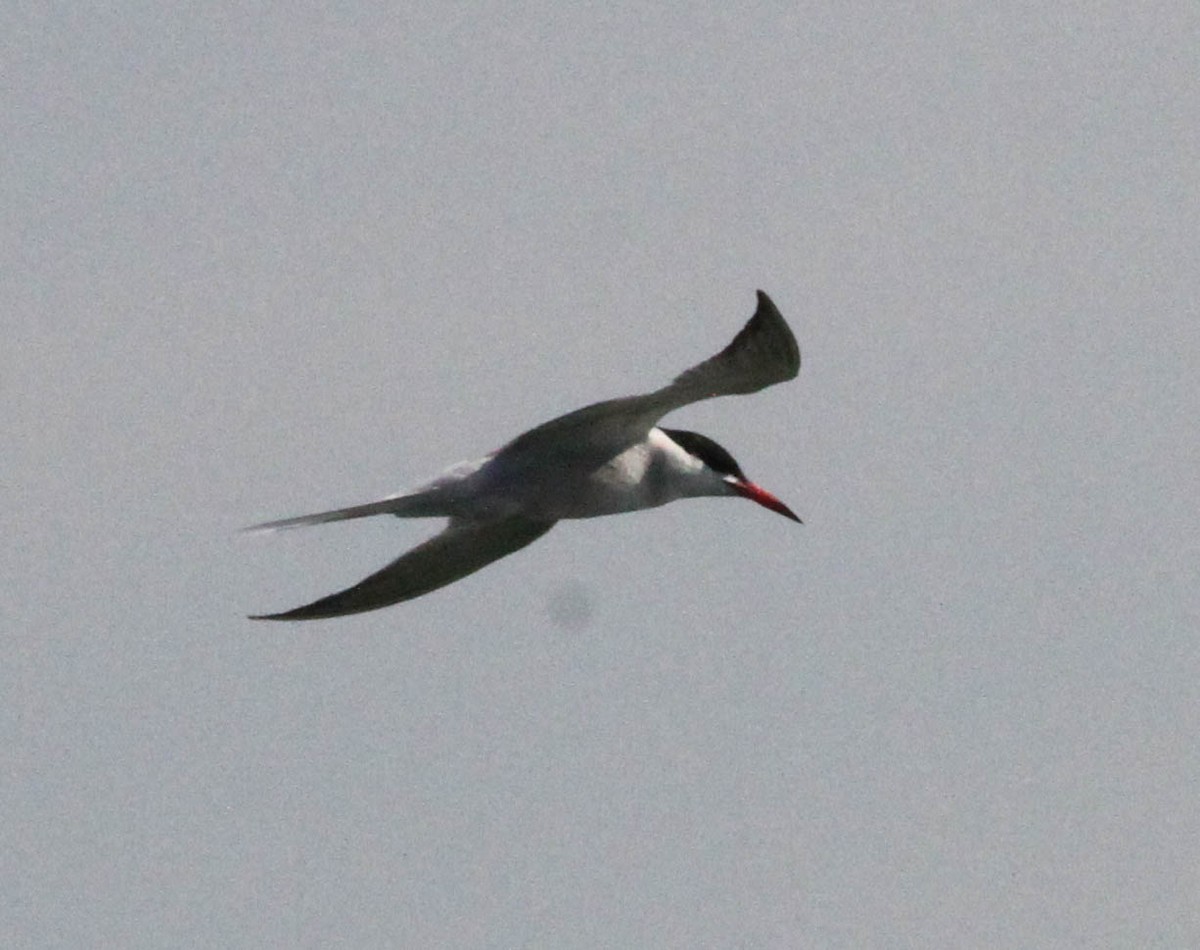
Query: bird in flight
(603,459)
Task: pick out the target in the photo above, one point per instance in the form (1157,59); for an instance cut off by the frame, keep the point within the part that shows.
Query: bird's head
(729,479)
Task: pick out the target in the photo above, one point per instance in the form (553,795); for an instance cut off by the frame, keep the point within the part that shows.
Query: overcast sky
(257,263)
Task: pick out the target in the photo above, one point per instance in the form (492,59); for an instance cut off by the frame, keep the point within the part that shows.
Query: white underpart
(646,475)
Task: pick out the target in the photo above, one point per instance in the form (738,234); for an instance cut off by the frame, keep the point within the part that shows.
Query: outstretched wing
(461,549)
(762,354)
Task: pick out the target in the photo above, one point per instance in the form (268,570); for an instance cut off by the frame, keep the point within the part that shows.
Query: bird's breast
(629,481)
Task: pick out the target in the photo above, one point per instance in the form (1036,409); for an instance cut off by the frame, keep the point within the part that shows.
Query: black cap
(707,451)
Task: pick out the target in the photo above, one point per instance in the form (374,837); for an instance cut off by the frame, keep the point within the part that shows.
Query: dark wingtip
(765,302)
(767,312)
(339,604)
(300,613)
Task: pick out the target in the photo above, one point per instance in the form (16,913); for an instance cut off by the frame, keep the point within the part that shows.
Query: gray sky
(262,263)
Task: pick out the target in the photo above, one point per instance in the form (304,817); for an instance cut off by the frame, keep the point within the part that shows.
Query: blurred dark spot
(569,606)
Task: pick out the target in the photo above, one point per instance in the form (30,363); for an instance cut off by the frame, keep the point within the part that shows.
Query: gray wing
(763,353)
(461,549)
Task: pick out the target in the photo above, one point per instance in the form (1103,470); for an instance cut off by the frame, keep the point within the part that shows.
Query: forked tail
(417,505)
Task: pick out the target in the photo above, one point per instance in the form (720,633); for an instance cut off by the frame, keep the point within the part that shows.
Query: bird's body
(497,486)
(603,459)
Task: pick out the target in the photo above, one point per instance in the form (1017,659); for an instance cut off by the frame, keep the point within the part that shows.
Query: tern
(604,459)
